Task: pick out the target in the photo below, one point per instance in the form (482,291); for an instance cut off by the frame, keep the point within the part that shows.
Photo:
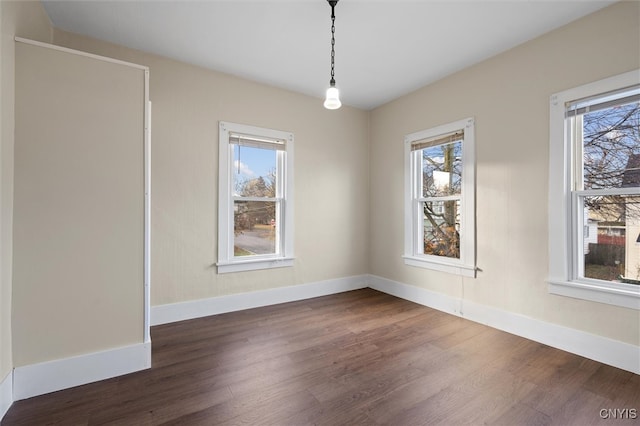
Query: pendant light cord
(333,41)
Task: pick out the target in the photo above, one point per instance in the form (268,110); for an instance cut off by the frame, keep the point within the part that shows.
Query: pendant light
(332,101)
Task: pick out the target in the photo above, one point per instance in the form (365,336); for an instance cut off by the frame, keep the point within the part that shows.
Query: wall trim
(607,351)
(78,52)
(163,314)
(6,394)
(38,379)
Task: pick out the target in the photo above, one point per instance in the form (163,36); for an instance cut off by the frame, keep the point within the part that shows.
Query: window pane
(441,223)
(442,169)
(254,171)
(611,147)
(254,227)
(612,244)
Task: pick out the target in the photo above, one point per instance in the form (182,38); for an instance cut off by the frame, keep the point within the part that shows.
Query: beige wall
(25,19)
(330,166)
(509,97)
(78,229)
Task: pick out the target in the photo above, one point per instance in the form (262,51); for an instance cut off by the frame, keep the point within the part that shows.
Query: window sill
(254,264)
(449,267)
(623,295)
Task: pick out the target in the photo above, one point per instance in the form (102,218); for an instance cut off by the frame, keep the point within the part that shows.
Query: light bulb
(332,100)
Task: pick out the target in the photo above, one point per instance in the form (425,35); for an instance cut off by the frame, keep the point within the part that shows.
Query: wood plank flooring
(356,358)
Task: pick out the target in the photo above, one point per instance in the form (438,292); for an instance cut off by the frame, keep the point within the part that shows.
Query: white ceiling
(384,48)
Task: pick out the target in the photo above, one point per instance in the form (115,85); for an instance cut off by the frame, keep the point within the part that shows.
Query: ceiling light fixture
(332,101)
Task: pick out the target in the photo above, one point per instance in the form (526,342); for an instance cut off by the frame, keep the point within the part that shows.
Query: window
(594,191)
(255,218)
(440,198)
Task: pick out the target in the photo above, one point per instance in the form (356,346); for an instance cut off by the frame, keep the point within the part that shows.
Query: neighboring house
(591,231)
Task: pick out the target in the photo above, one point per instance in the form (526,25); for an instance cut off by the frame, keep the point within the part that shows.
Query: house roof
(631,176)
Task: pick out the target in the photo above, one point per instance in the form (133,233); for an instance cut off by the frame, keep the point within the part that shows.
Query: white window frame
(564,215)
(283,257)
(413,251)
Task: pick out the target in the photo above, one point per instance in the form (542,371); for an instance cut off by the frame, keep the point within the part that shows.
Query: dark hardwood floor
(354,358)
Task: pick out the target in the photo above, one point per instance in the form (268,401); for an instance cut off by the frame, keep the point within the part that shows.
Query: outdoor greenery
(251,212)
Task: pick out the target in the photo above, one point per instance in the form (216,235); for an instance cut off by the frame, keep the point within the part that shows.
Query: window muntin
(440,200)
(255,198)
(594,193)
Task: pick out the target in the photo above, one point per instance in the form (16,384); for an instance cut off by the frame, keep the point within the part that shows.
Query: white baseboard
(37,379)
(6,394)
(163,314)
(607,351)
(51,376)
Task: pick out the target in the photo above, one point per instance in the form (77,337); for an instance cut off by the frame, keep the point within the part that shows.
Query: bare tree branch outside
(611,160)
(442,177)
